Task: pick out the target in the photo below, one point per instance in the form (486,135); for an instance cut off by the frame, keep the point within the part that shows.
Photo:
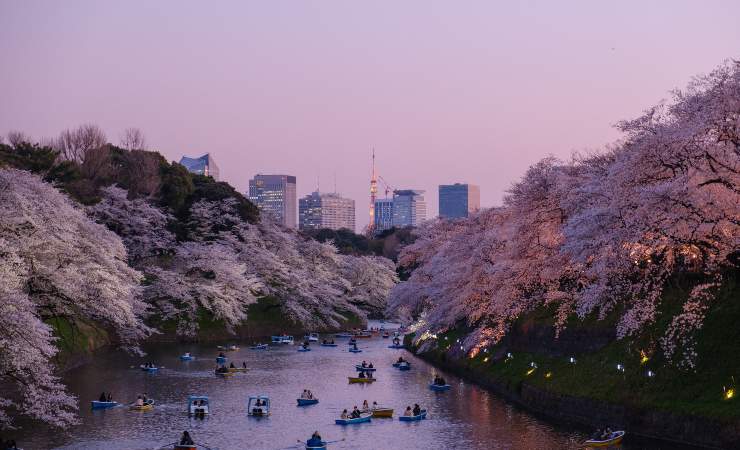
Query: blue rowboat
(149,369)
(439,387)
(304,349)
(364,417)
(329,345)
(355,350)
(421,416)
(343,335)
(395,346)
(307,401)
(186,357)
(364,369)
(221,359)
(259,347)
(320,447)
(404,367)
(102,405)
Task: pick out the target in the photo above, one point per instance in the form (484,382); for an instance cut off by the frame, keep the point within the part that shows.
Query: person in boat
(417,409)
(370,366)
(354,346)
(324,341)
(364,364)
(221,355)
(408,411)
(332,341)
(365,405)
(146,399)
(315,440)
(139,401)
(607,434)
(187,354)
(356,413)
(109,397)
(186,439)
(400,360)
(103,398)
(375,405)
(361,375)
(345,415)
(232,366)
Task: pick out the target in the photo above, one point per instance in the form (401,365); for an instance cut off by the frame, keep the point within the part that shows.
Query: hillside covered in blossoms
(138,247)
(602,237)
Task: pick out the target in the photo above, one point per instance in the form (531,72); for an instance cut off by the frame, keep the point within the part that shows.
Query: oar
(203,445)
(167,445)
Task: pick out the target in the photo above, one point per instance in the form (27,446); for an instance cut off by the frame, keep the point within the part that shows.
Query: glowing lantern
(729,393)
(485,359)
(548,374)
(643,357)
(650,374)
(620,367)
(572,360)
(529,372)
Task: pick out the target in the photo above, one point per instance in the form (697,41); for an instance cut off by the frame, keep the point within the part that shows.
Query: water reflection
(466,417)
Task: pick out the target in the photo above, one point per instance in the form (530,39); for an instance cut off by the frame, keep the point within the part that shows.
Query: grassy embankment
(595,376)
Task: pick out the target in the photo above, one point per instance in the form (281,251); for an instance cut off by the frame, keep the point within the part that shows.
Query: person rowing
(186,439)
(139,401)
(408,411)
(356,413)
(363,365)
(315,440)
(221,355)
(417,409)
(232,366)
(361,375)
(401,360)
(345,414)
(244,364)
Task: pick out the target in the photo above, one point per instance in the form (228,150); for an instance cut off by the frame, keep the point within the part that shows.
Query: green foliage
(387,244)
(206,188)
(177,186)
(25,156)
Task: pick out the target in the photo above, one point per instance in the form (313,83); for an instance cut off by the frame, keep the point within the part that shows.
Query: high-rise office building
(316,211)
(409,208)
(383,217)
(458,200)
(275,195)
(204,165)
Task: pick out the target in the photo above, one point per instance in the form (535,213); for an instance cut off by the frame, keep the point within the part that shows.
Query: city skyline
(477,93)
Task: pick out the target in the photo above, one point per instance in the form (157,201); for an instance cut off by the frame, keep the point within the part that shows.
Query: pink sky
(445,91)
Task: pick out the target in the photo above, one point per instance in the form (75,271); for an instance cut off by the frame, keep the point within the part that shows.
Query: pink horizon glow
(444,91)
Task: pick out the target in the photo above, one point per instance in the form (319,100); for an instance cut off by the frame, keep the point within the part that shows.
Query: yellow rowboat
(237,369)
(382,412)
(614,439)
(148,406)
(225,374)
(361,380)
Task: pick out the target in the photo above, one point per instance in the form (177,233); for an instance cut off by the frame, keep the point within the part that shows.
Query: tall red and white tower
(373,195)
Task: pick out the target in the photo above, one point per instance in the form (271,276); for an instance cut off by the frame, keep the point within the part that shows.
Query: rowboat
(320,447)
(386,336)
(229,348)
(198,405)
(422,415)
(382,412)
(238,369)
(355,350)
(283,339)
(614,439)
(439,387)
(304,349)
(149,369)
(147,406)
(361,380)
(364,369)
(186,357)
(184,447)
(343,335)
(329,345)
(102,405)
(404,366)
(259,347)
(224,374)
(395,346)
(307,401)
(258,406)
(312,337)
(364,417)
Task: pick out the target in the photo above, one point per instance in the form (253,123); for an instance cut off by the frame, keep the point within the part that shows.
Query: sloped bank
(647,396)
(587,412)
(264,319)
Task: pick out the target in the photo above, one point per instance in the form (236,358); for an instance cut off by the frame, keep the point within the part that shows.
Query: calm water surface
(466,417)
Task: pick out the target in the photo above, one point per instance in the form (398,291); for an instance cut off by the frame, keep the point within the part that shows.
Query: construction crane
(388,187)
